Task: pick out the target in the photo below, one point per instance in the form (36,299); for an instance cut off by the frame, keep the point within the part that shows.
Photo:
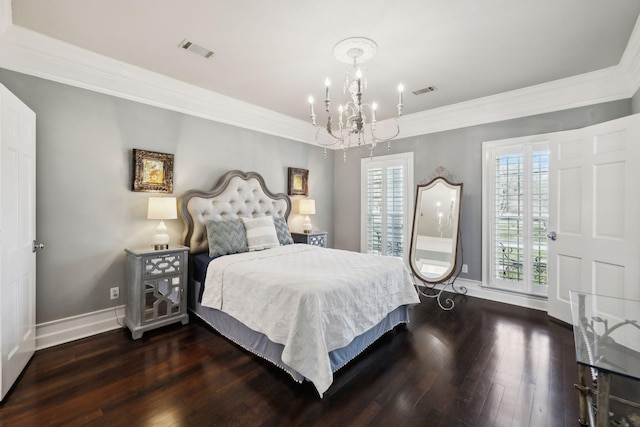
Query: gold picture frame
(152,172)
(298,182)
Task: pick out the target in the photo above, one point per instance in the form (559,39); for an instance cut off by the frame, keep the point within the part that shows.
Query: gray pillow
(226,237)
(282,230)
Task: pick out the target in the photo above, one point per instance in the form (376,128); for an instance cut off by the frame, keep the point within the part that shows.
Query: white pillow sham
(261,233)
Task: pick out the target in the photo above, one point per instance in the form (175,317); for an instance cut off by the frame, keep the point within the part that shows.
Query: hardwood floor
(482,364)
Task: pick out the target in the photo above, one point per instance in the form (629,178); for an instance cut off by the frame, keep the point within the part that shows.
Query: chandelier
(356,121)
(444,222)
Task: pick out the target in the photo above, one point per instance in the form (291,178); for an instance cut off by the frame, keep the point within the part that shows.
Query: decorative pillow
(226,237)
(282,230)
(261,233)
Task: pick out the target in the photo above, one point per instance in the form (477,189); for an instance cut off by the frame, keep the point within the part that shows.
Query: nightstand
(156,288)
(316,238)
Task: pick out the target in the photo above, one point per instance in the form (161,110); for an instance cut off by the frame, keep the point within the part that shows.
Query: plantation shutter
(519,212)
(375,196)
(386,204)
(395,210)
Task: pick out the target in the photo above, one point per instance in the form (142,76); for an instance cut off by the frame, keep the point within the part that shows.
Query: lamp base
(161,239)
(306,225)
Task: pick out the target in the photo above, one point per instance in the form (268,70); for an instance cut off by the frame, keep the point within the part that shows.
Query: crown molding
(609,84)
(630,61)
(587,89)
(31,53)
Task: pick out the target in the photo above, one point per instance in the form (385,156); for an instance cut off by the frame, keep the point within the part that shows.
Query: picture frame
(152,171)
(298,182)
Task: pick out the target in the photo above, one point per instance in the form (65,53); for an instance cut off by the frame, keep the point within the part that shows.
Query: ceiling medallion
(355,50)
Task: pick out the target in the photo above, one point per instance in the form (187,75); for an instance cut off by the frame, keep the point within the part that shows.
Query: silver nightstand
(316,238)
(156,288)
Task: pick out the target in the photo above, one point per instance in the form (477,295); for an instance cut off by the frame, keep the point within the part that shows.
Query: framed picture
(152,172)
(298,182)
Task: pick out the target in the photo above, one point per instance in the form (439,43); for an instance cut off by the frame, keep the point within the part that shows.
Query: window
(386,200)
(515,215)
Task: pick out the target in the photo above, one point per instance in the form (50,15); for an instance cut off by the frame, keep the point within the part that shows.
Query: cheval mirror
(433,253)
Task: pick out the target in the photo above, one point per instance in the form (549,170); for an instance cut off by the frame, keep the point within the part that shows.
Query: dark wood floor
(482,364)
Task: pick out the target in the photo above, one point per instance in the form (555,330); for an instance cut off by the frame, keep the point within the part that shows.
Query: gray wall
(86,213)
(460,151)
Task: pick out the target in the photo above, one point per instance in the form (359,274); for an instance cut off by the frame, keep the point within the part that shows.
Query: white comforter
(312,300)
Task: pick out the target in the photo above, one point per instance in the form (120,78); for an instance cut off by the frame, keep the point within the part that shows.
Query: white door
(17,234)
(595,213)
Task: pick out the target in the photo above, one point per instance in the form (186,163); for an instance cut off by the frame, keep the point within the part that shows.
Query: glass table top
(607,333)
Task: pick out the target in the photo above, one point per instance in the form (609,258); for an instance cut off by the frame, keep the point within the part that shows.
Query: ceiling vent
(192,47)
(424,90)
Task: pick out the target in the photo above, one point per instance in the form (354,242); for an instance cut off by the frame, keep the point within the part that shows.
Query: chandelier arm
(337,139)
(331,144)
(387,139)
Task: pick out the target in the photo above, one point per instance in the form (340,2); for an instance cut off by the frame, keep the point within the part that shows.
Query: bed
(308,310)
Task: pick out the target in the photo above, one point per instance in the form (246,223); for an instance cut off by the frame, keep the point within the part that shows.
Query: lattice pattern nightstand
(316,238)
(156,291)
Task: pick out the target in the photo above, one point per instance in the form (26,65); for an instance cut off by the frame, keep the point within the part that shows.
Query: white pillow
(261,233)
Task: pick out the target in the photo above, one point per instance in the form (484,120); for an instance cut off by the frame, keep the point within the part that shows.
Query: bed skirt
(258,343)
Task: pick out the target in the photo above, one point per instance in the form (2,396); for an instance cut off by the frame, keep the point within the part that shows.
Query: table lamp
(307,207)
(161,208)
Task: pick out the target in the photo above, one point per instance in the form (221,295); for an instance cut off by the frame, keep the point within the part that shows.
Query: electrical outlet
(115,292)
(465,268)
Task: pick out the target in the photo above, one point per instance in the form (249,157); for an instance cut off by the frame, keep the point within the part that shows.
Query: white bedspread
(312,300)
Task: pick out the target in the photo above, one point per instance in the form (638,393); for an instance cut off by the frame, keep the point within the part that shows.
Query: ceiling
(274,54)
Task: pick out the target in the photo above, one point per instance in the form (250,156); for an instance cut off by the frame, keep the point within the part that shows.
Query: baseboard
(475,289)
(85,325)
(73,328)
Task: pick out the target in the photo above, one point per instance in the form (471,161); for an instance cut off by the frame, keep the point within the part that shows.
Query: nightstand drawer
(316,238)
(161,264)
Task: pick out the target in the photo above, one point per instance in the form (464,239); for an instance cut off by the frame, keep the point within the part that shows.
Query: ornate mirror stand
(435,237)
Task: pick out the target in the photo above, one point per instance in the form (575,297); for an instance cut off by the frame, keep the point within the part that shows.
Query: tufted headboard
(237,194)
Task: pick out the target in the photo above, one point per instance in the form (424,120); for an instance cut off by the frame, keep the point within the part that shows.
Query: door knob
(552,235)
(37,246)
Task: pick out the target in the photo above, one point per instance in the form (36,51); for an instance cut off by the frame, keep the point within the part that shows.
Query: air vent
(424,90)
(192,47)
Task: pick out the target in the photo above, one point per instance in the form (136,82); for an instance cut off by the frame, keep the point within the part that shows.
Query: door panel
(569,196)
(608,279)
(17,233)
(594,212)
(609,205)
(569,269)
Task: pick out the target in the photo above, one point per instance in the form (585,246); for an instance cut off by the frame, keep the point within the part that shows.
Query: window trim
(406,159)
(513,145)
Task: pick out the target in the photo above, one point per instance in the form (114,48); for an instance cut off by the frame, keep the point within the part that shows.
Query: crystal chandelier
(356,122)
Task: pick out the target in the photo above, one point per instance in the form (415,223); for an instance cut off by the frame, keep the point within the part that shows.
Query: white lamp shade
(162,208)
(307,207)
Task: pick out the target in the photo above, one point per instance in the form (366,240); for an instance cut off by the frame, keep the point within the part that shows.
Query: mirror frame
(419,189)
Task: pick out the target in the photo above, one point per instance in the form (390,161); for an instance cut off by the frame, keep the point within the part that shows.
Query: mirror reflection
(434,239)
